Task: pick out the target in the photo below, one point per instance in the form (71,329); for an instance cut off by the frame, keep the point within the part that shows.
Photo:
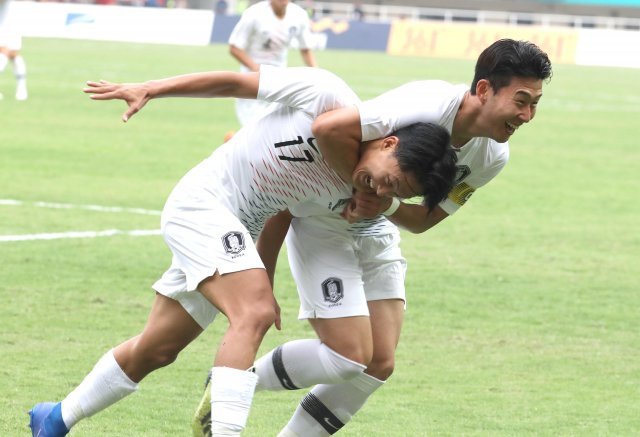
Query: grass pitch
(523,307)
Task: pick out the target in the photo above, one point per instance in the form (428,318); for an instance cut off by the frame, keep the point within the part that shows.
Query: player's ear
(390,142)
(482,89)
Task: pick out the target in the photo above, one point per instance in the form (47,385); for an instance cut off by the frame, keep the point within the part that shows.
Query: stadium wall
(399,38)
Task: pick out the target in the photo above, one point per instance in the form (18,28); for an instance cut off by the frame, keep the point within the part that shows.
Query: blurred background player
(263,36)
(10,45)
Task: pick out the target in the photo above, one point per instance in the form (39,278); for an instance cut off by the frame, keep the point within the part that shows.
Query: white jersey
(4,7)
(266,38)
(435,101)
(273,162)
(10,37)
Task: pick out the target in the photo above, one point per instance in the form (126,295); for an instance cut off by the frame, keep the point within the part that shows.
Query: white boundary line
(79,234)
(98,208)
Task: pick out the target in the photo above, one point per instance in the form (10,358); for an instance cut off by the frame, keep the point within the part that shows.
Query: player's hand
(364,205)
(136,95)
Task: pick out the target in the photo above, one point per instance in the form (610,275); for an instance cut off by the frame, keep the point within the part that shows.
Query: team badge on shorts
(233,242)
(332,290)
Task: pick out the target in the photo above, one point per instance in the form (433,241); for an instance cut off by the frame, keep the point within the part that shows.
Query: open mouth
(511,128)
(366,183)
(368,180)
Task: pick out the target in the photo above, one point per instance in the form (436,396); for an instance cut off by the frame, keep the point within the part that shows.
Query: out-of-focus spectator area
(602,34)
(611,14)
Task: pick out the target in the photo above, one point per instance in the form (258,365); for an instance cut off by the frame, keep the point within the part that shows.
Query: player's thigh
(241,295)
(326,270)
(348,336)
(387,317)
(206,239)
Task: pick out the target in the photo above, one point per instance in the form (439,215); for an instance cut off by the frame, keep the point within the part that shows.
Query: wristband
(395,204)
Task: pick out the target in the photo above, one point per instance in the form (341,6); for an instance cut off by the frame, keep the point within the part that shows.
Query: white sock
(106,384)
(303,363)
(20,72)
(19,67)
(327,408)
(231,396)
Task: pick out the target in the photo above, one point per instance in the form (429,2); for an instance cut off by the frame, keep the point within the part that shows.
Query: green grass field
(523,314)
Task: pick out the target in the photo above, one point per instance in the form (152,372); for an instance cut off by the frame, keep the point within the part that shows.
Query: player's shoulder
(436,87)
(495,154)
(429,91)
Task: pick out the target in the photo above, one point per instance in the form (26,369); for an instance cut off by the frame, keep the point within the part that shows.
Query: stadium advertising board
(113,23)
(466,41)
(353,35)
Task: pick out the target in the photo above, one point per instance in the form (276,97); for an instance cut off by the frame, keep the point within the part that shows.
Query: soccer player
(10,46)
(219,207)
(362,322)
(263,35)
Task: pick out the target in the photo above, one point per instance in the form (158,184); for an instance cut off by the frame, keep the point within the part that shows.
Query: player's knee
(255,319)
(145,360)
(164,359)
(359,353)
(342,367)
(263,316)
(381,367)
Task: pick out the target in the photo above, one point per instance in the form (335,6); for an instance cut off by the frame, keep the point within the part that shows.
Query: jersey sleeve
(305,37)
(463,190)
(420,101)
(312,90)
(241,33)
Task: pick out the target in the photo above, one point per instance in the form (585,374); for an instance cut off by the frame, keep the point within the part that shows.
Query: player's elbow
(416,228)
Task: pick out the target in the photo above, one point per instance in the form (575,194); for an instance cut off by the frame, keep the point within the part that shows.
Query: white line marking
(99,208)
(78,234)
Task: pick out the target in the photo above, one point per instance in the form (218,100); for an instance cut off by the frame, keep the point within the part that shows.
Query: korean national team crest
(332,290)
(233,242)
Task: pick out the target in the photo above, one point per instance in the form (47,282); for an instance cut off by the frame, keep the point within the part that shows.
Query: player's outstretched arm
(209,84)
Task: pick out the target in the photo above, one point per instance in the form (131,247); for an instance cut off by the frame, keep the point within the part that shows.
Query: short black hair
(424,151)
(507,58)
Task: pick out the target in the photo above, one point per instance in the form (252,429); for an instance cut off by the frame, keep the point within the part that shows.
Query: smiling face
(509,108)
(378,172)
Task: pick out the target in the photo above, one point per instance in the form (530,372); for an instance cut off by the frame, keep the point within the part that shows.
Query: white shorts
(336,273)
(10,40)
(204,237)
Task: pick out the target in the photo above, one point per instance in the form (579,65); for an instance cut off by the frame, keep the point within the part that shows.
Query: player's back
(273,162)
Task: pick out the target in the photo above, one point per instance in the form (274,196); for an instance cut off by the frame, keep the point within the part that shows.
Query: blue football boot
(45,420)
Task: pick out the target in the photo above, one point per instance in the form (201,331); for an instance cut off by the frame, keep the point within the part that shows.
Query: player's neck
(465,123)
(279,13)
